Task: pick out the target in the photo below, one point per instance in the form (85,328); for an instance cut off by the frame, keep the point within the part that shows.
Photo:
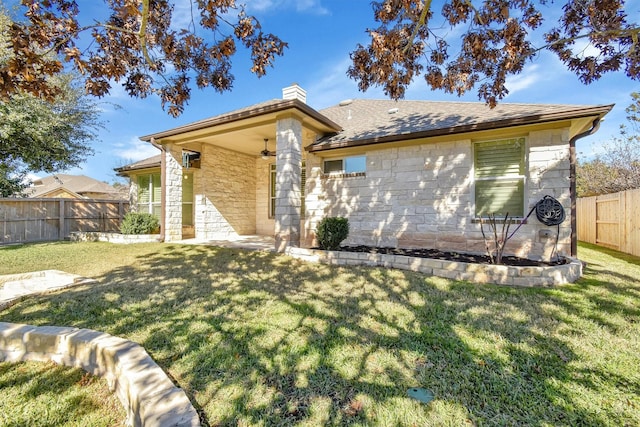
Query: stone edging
(147,394)
(476,273)
(16,287)
(95,236)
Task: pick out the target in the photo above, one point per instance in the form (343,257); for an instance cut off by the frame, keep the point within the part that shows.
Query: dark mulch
(454,256)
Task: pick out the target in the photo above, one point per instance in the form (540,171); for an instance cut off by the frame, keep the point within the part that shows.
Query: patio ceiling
(245,132)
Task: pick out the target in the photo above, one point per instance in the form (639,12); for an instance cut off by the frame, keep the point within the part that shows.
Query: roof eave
(124,170)
(243,115)
(597,111)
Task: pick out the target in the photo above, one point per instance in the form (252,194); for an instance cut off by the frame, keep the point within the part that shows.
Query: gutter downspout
(572,183)
(162,186)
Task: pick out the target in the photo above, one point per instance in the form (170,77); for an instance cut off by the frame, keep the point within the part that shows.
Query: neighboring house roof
(77,185)
(149,163)
(366,121)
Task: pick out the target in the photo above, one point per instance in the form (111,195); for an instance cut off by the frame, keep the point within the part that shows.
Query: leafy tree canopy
(37,135)
(136,45)
(42,135)
(617,168)
(498,39)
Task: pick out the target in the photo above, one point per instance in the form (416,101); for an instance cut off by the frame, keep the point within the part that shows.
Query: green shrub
(331,232)
(139,223)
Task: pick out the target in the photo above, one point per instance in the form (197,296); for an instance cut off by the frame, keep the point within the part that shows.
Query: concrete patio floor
(252,242)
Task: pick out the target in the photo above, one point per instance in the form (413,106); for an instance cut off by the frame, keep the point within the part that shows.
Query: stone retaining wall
(476,273)
(147,394)
(95,236)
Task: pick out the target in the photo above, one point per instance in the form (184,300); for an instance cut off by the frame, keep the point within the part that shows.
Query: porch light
(266,153)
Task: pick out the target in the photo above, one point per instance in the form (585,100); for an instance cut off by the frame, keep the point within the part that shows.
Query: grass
(261,339)
(46,394)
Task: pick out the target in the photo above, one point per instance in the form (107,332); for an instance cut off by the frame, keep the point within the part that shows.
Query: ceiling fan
(266,153)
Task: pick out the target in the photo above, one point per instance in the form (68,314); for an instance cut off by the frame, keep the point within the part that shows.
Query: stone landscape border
(97,236)
(147,394)
(16,287)
(475,273)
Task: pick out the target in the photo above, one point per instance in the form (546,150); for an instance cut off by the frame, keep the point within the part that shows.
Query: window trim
(151,204)
(523,176)
(188,176)
(343,173)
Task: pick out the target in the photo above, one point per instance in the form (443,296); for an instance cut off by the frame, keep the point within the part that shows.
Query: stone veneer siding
(224,194)
(288,172)
(423,196)
(173,194)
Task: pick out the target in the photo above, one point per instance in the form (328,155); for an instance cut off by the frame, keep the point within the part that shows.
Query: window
(149,194)
(354,164)
(499,177)
(272,190)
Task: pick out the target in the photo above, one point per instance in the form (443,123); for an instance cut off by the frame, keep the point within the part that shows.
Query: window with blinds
(499,177)
(272,190)
(150,194)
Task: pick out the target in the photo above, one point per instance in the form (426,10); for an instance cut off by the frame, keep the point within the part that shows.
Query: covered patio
(240,174)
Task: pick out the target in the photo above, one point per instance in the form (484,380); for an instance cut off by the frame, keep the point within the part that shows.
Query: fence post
(61,220)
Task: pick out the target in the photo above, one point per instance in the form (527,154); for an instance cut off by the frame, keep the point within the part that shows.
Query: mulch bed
(454,256)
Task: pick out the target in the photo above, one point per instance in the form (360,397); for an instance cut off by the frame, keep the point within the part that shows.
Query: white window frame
(343,170)
(149,206)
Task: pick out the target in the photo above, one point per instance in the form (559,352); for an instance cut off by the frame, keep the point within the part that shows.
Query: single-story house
(72,187)
(405,173)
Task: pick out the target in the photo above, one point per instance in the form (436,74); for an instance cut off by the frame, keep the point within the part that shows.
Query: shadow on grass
(50,395)
(257,338)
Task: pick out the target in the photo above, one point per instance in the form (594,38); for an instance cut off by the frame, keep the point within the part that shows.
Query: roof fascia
(124,171)
(279,107)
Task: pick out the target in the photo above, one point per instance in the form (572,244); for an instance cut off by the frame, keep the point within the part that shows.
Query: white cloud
(303,6)
(135,150)
(583,48)
(528,78)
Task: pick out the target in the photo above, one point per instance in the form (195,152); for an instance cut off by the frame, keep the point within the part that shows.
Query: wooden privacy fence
(611,220)
(37,220)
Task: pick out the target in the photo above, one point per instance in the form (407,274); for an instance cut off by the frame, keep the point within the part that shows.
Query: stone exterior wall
(288,172)
(423,196)
(224,194)
(173,195)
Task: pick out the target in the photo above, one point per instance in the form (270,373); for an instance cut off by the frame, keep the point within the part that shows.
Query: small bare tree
(496,243)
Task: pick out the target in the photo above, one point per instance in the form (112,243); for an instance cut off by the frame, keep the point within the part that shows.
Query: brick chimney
(294,92)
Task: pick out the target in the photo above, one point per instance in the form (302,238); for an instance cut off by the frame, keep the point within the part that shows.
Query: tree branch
(142,34)
(631,32)
(421,22)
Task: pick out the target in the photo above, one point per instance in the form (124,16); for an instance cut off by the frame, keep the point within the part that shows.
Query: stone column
(288,174)
(173,195)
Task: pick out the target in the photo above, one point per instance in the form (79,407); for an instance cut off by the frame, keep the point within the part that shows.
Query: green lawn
(261,339)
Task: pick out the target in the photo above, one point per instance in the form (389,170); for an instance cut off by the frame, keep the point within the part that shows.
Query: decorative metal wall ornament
(549,211)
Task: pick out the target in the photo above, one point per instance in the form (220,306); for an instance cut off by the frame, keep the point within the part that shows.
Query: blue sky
(321,33)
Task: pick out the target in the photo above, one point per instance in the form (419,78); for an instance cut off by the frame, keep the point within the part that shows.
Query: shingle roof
(373,121)
(79,184)
(148,163)
(255,110)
